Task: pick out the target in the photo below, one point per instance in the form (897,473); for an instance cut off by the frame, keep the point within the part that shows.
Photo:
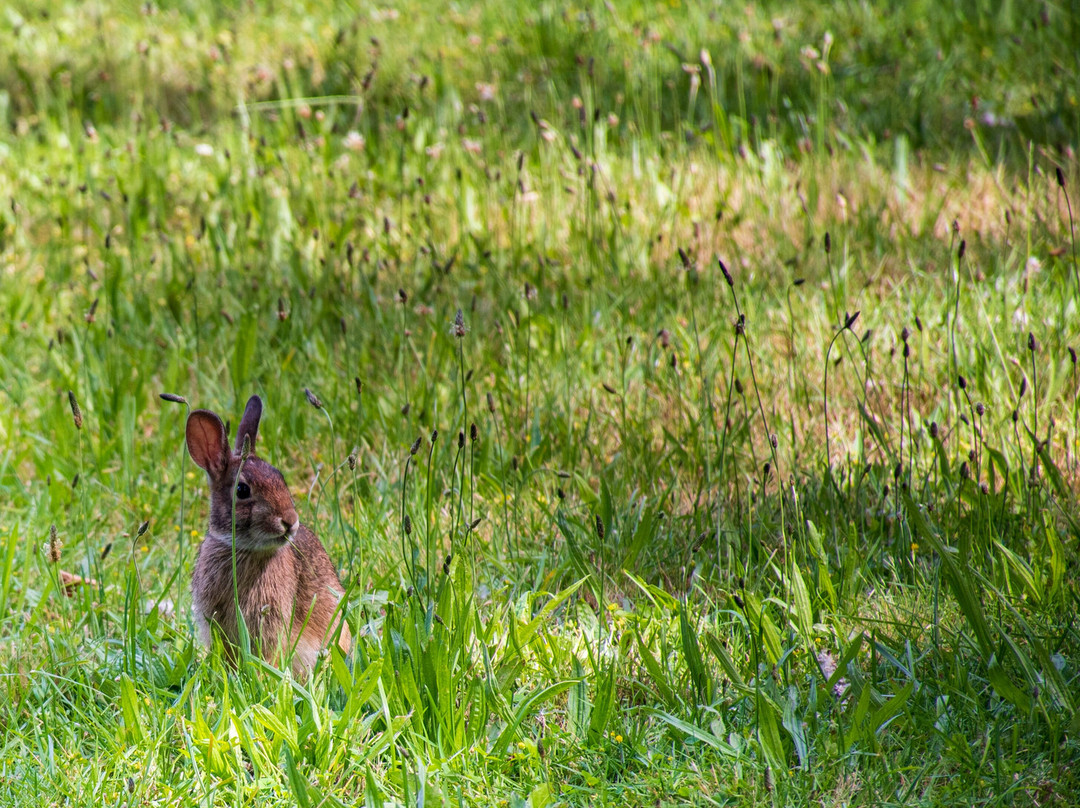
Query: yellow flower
(914,547)
(618,739)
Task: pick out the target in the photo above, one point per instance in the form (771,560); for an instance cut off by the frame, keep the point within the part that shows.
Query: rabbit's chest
(263,592)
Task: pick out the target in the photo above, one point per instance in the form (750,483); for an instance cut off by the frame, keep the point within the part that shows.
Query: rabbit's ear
(207,442)
(249,424)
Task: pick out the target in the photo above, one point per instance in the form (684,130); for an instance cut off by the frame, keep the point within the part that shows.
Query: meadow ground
(795,528)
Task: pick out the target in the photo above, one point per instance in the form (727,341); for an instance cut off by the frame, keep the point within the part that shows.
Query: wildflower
(354,141)
(204,149)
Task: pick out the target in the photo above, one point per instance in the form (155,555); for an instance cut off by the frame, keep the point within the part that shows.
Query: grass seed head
(1060,176)
(727,275)
(408,525)
(415,447)
(828,243)
(474,433)
(175,399)
(962,250)
(55,545)
(313,399)
(1031,343)
(459,329)
(599,527)
(490,402)
(76,412)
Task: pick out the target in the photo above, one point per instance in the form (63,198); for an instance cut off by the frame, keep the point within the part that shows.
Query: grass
(619,523)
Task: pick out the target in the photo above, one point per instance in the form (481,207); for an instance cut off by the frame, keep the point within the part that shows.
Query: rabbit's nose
(290,521)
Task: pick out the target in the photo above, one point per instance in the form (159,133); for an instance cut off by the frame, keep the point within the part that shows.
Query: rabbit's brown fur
(288,588)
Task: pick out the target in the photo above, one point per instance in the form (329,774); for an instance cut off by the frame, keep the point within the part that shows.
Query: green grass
(746,543)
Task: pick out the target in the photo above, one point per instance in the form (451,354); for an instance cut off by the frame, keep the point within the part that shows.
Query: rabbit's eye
(242,491)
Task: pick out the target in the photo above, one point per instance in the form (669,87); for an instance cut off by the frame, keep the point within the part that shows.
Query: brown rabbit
(288,588)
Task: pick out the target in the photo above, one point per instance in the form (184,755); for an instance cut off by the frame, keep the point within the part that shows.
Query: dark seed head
(851,318)
(1031,343)
(727,275)
(490,402)
(599,527)
(415,447)
(1060,177)
(408,525)
(76,412)
(402,296)
(313,399)
(962,382)
(1023,387)
(934,429)
(175,399)
(474,433)
(828,243)
(980,409)
(962,250)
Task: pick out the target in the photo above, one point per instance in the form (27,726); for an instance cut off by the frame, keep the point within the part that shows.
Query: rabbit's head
(265,516)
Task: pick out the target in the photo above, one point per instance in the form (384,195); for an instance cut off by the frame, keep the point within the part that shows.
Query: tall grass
(798,525)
